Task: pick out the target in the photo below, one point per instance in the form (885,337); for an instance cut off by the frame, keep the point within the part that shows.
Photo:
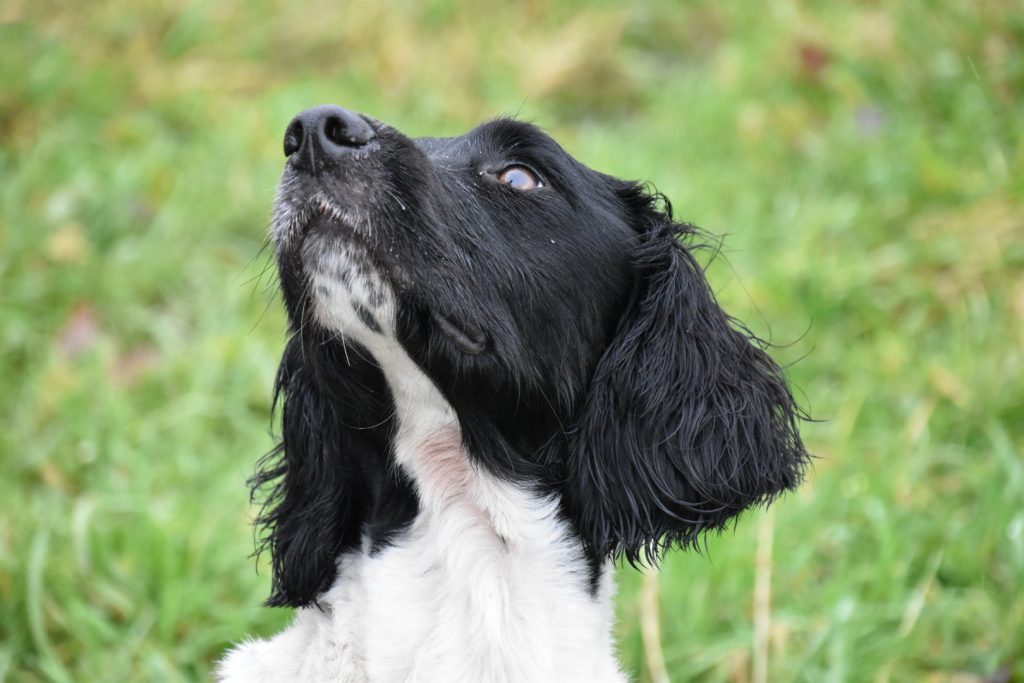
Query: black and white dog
(505,370)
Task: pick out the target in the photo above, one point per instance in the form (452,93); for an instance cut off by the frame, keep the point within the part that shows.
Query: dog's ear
(321,475)
(687,421)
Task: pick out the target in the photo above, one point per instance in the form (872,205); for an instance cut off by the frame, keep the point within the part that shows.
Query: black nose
(324,134)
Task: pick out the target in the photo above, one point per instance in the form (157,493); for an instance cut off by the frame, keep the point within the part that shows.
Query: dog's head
(561,313)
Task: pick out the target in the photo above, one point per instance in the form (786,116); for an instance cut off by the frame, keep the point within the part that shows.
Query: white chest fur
(486,585)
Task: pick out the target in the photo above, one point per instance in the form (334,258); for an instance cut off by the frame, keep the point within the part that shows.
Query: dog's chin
(331,236)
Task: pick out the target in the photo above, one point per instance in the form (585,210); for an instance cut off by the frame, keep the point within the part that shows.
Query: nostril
(293,138)
(334,129)
(344,133)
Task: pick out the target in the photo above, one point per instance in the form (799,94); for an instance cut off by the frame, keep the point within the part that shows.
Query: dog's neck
(487,584)
(498,566)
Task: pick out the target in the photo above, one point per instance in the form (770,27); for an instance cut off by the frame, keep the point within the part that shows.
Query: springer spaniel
(504,371)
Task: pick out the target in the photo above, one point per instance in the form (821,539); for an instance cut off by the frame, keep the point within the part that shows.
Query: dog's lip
(466,337)
(321,206)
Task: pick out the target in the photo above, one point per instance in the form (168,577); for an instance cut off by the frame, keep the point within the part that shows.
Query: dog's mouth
(324,216)
(466,337)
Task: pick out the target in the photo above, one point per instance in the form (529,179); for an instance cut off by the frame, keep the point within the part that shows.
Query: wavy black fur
(688,421)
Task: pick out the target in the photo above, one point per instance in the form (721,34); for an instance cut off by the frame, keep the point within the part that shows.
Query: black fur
(570,327)
(331,482)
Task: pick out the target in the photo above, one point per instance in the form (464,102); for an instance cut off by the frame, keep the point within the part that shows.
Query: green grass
(863,158)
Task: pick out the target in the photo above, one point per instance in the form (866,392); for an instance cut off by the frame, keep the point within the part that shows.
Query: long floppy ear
(688,421)
(323,474)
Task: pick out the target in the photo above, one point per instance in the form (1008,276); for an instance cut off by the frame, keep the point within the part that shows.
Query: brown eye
(520,178)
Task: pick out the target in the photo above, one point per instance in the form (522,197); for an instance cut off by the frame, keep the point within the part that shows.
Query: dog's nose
(324,134)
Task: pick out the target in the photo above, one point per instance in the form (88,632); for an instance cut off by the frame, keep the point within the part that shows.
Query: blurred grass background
(864,159)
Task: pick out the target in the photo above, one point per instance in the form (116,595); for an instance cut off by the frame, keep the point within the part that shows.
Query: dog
(505,370)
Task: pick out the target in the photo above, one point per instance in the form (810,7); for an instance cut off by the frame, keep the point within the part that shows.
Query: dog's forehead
(500,137)
(435,146)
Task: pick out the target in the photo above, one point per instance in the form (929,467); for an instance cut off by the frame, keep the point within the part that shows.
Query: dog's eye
(520,178)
